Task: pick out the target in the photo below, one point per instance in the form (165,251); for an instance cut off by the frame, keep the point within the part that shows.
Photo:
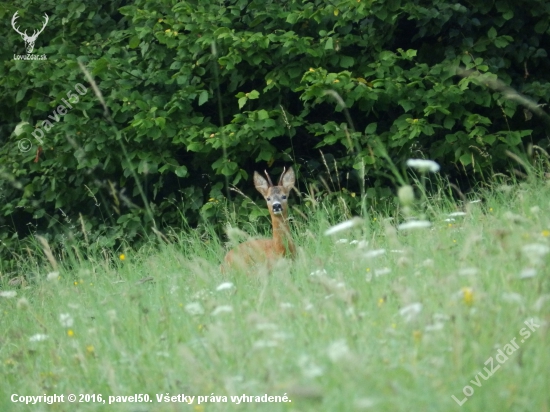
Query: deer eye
(268,199)
(284,197)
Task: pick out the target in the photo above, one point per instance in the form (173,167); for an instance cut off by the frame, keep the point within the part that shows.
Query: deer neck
(282,238)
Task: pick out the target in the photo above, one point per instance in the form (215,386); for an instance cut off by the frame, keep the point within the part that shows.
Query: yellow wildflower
(468,296)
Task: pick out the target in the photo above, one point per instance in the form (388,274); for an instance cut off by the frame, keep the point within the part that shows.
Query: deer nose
(277,207)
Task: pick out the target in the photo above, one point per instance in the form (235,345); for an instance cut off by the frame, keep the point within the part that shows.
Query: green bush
(199,94)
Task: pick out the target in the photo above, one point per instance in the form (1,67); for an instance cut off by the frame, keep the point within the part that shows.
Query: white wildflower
(405,195)
(455,214)
(365,403)
(434,327)
(449,220)
(374,253)
(286,305)
(111,314)
(468,271)
(280,336)
(528,273)
(381,271)
(224,286)
(541,302)
(266,326)
(260,344)
(411,311)
(535,252)
(340,227)
(222,309)
(423,165)
(512,297)
(39,337)
(318,272)
(536,249)
(8,294)
(513,217)
(202,294)
(52,276)
(339,241)
(360,243)
(414,224)
(66,320)
(338,350)
(22,303)
(309,368)
(194,308)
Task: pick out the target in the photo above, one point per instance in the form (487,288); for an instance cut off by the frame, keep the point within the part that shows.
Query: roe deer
(267,251)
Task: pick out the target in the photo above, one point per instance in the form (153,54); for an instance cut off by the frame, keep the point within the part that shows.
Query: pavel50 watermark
(61,110)
(501,357)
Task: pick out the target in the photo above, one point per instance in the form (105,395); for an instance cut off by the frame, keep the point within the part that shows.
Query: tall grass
(372,318)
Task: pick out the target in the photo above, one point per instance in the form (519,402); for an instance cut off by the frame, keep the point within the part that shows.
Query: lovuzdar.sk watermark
(501,357)
(29,40)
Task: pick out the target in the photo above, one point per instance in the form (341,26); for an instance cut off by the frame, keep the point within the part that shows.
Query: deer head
(276,196)
(29,40)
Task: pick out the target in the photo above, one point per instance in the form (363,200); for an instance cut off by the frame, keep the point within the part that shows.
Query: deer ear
(287,179)
(261,184)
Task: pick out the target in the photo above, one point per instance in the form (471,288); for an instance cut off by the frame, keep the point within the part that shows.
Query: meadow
(379,315)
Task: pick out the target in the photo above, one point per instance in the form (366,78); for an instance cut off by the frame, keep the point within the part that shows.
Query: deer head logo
(29,40)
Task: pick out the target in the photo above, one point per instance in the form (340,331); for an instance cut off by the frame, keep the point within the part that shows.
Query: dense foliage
(195,95)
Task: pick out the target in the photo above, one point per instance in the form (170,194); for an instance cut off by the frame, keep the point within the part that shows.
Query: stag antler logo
(29,40)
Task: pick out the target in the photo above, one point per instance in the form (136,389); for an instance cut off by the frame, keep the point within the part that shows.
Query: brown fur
(267,251)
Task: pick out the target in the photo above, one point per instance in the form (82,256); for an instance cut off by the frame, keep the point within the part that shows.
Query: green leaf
(160,122)
(134,42)
(346,61)
(371,128)
(501,42)
(181,171)
(242,102)
(466,159)
(489,138)
(20,94)
(492,33)
(254,94)
(203,97)
(292,18)
(541,26)
(142,105)
(262,115)
(449,122)
(508,15)
(329,44)
(100,66)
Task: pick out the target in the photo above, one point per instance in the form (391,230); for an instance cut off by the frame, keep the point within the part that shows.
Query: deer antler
(15,16)
(43,27)
(268,178)
(282,175)
(24,34)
